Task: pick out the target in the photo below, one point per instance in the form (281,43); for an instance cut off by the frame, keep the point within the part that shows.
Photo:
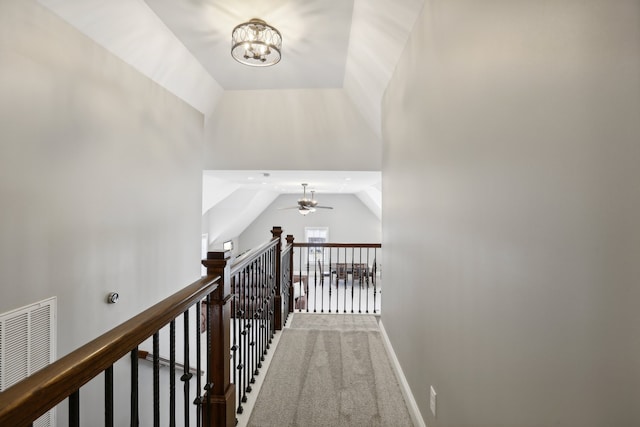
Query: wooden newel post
(220,399)
(277,233)
(289,243)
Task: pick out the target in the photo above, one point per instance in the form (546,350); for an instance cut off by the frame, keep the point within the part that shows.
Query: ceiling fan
(306,206)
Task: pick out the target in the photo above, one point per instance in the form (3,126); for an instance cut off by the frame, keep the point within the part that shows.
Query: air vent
(27,344)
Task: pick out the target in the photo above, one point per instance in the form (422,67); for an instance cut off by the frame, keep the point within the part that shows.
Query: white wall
(379,30)
(227,219)
(349,222)
(100,178)
(517,125)
(305,129)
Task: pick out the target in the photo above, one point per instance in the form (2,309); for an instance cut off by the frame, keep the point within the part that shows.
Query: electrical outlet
(432,401)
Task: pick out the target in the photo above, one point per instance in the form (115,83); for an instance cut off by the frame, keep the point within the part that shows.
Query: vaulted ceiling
(337,58)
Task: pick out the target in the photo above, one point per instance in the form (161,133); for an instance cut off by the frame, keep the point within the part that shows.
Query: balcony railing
(238,306)
(336,277)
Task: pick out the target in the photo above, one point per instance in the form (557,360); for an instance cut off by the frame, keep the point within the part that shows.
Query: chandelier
(256,43)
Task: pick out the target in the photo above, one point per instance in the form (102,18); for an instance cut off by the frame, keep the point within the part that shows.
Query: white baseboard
(414,412)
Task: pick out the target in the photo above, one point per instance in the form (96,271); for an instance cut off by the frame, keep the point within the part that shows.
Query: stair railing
(24,402)
(256,311)
(244,304)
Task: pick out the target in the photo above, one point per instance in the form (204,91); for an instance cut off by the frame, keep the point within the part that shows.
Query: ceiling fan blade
(289,207)
(323,207)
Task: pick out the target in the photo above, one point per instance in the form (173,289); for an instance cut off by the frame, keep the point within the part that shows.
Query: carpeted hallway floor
(330,370)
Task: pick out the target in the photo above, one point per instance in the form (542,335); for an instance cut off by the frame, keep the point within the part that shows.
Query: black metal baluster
(321,268)
(308,278)
(186,375)
(242,397)
(315,282)
(369,271)
(264,286)
(270,293)
(248,369)
(172,373)
(256,301)
(268,283)
(268,321)
(247,336)
(331,278)
(255,328)
(156,379)
(209,384)
(250,319)
(271,317)
(373,278)
(315,278)
(198,401)
(337,280)
(289,282)
(108,397)
(234,334)
(362,273)
(346,279)
(270,306)
(300,284)
(247,330)
(134,417)
(353,276)
(284,286)
(74,409)
(252,344)
(240,315)
(262,327)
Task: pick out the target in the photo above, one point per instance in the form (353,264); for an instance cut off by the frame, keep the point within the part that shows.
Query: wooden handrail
(337,245)
(245,260)
(27,400)
(286,249)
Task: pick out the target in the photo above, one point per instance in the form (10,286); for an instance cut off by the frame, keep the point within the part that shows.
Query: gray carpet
(330,370)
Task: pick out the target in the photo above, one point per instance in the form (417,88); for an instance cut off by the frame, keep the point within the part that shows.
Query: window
(316,235)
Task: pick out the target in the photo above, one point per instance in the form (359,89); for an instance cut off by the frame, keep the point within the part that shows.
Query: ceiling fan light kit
(256,43)
(306,206)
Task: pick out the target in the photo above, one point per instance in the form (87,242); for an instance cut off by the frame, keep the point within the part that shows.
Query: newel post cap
(216,261)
